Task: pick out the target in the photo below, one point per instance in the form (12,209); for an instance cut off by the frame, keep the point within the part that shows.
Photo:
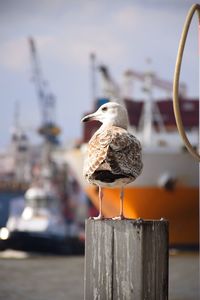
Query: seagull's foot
(120,217)
(100,217)
(139,221)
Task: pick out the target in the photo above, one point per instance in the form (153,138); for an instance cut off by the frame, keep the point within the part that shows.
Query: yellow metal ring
(179,123)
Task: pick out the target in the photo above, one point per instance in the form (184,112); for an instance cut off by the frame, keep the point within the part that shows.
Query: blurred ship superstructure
(15,160)
(168,186)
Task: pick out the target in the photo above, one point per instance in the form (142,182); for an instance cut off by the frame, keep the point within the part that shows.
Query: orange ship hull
(156,203)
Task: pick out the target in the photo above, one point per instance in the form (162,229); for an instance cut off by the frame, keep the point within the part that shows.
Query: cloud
(76,50)
(74,31)
(123,36)
(15,53)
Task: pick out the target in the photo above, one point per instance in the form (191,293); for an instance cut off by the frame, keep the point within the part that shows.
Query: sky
(122,33)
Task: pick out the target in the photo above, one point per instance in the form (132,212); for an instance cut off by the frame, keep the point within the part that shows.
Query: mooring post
(126,260)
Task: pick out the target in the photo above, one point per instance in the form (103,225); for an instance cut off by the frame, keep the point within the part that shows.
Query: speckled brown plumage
(116,151)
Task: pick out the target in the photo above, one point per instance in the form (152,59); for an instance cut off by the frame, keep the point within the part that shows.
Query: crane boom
(46,99)
(155,81)
(110,88)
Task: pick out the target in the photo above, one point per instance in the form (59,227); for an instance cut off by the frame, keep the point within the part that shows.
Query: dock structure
(126,260)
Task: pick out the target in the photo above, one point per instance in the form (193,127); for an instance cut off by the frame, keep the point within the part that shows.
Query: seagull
(114,156)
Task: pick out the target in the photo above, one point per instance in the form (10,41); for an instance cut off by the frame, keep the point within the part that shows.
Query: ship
(168,185)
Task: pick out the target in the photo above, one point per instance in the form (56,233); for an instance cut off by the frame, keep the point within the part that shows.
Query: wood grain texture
(126,260)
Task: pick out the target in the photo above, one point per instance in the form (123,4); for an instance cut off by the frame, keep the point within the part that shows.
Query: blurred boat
(39,225)
(168,186)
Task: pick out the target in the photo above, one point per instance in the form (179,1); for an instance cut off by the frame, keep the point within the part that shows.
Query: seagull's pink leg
(121,214)
(100,216)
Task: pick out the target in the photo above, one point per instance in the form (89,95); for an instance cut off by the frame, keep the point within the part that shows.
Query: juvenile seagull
(114,156)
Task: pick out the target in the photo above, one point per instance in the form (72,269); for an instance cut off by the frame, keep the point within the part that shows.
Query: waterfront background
(123,35)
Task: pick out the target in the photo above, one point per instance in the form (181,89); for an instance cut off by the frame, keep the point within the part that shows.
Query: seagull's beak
(90,117)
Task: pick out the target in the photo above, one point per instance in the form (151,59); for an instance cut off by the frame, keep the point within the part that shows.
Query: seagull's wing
(97,151)
(124,153)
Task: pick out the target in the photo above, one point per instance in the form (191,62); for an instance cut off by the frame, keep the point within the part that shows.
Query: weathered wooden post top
(126,259)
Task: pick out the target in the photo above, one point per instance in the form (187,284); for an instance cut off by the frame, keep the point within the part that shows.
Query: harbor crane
(151,112)
(48,129)
(111,88)
(150,80)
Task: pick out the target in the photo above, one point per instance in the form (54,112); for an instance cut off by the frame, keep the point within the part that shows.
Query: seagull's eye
(104,108)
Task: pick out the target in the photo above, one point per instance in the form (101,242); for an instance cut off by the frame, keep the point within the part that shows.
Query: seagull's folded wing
(117,148)
(97,151)
(125,154)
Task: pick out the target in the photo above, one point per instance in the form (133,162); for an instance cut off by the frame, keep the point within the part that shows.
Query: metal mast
(93,77)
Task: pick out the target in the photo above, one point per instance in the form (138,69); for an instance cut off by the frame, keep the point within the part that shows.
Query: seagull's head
(110,113)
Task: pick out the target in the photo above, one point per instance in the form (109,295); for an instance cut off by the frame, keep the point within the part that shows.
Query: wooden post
(126,259)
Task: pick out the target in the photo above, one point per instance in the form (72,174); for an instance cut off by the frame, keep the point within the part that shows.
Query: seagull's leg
(121,214)
(100,216)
